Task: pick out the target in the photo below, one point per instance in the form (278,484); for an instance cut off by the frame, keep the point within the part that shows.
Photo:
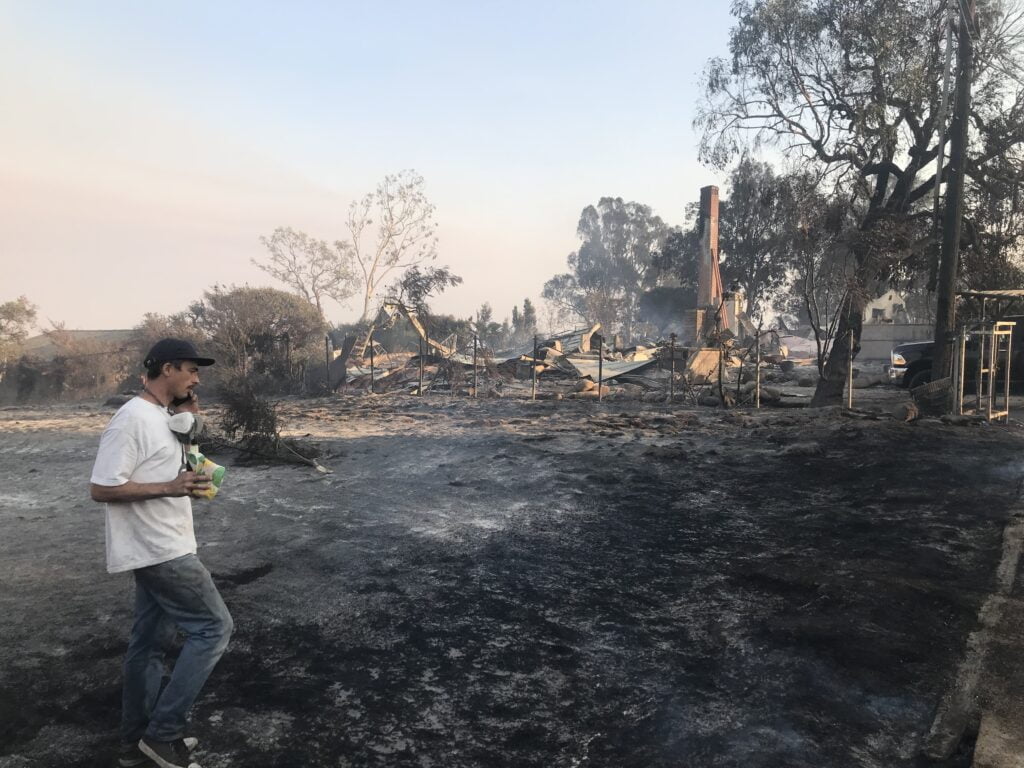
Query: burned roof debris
(582,363)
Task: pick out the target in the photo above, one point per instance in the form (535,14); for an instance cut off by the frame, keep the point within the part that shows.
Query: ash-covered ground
(509,583)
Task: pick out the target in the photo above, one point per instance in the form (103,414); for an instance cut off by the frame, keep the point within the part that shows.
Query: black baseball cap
(169,350)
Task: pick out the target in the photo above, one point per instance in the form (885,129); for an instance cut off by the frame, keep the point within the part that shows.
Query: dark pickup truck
(910,364)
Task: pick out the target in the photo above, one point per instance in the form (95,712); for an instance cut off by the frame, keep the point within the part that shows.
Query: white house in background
(890,307)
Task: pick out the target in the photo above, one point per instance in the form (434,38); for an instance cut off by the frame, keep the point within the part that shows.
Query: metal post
(993,359)
(420,390)
(958,374)
(757,371)
(849,372)
(980,372)
(474,366)
(371,361)
(327,359)
(533,396)
(1006,383)
(721,372)
(600,369)
(962,365)
(672,369)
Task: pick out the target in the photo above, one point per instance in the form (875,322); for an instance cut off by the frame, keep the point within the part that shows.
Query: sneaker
(130,756)
(169,754)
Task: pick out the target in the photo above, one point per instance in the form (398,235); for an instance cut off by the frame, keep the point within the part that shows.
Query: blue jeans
(178,593)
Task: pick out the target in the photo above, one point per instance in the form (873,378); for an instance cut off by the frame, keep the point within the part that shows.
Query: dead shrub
(248,418)
(250,424)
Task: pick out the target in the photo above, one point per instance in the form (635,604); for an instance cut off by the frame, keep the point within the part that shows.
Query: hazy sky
(147,146)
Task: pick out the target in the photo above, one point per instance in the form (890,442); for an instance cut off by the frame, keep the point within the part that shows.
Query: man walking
(141,476)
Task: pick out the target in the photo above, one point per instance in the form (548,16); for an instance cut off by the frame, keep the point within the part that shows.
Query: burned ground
(508,583)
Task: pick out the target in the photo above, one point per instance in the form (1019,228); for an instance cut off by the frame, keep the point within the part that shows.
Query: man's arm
(185,484)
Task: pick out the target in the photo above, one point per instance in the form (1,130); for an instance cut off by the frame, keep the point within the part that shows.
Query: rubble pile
(580,365)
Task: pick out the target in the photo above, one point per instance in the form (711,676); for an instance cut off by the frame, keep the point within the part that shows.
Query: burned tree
(390,229)
(312,268)
(416,285)
(853,87)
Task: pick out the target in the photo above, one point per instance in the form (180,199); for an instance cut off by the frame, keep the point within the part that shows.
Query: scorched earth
(510,583)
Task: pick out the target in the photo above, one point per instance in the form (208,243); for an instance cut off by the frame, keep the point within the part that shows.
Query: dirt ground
(515,583)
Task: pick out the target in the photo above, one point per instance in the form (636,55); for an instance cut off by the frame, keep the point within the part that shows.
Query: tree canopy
(613,265)
(256,330)
(417,284)
(758,216)
(16,319)
(312,268)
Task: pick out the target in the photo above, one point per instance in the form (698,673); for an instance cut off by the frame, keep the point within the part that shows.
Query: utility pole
(951,12)
(945,308)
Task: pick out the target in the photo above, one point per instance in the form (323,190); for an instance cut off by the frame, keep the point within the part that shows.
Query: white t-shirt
(138,445)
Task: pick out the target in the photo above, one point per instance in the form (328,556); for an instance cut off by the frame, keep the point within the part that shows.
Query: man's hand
(191,405)
(185,484)
(188,484)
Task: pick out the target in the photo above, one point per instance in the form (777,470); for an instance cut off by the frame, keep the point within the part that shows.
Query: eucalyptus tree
(614,264)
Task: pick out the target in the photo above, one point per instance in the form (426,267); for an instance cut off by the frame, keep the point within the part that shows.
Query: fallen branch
(274,454)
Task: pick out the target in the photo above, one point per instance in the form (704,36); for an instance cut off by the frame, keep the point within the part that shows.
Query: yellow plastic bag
(203,466)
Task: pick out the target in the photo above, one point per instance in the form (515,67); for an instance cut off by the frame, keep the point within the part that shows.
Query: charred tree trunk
(830,386)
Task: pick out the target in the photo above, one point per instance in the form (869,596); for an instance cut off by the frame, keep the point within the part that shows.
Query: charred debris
(716,357)
(584,364)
